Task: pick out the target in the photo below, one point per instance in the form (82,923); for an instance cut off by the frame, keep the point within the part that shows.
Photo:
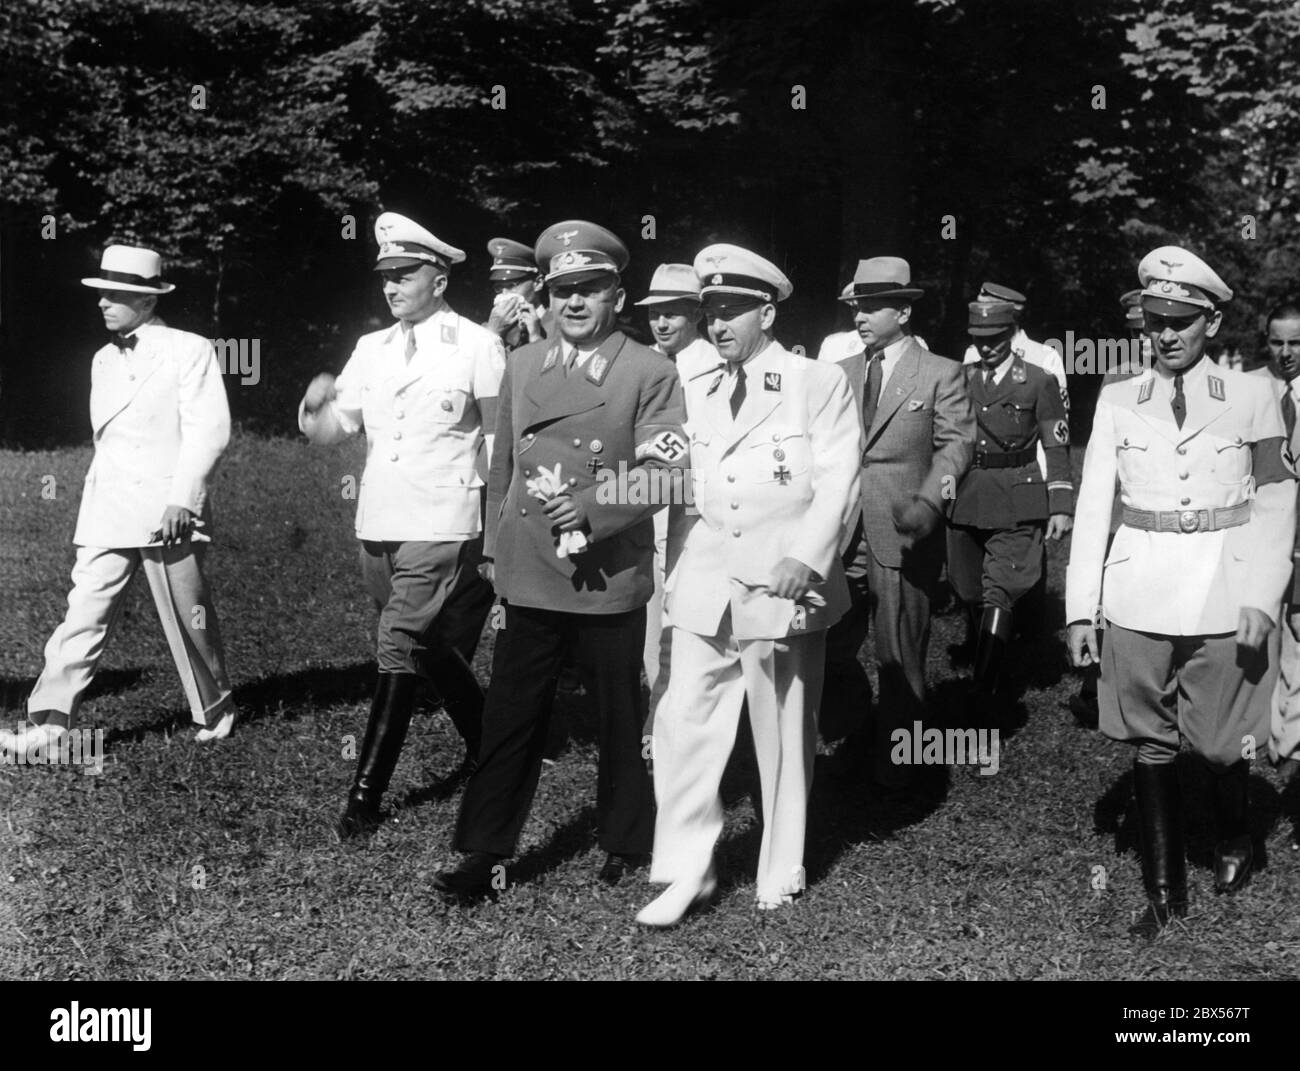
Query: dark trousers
(530,649)
(463,614)
(897,604)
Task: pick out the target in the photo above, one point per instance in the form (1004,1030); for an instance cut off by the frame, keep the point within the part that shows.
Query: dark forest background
(1044,145)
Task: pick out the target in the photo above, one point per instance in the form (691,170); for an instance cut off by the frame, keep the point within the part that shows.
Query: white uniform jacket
(424,425)
(160,421)
(1228,451)
(781,480)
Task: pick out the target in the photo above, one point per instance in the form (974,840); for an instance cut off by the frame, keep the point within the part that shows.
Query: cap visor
(987,331)
(581,274)
(1168,307)
(399,262)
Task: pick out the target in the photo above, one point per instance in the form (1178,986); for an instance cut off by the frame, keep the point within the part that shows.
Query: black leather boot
(990,652)
(1234,853)
(390,714)
(462,698)
(1160,823)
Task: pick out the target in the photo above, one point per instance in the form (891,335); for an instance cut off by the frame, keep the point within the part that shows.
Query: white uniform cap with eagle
(403,243)
(729,269)
(1179,283)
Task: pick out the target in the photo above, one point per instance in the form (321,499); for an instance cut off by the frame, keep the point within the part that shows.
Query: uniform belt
(1012,459)
(1187,521)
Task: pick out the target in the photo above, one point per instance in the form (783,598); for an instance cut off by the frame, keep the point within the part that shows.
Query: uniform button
(523,513)
(735,505)
(985,409)
(528,472)
(983,442)
(736,532)
(572,480)
(400,414)
(392,457)
(1182,475)
(577,442)
(446,405)
(731,479)
(131,378)
(1185,501)
(397,435)
(1182,450)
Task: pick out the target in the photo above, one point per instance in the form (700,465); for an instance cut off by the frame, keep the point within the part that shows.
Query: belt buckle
(1188,521)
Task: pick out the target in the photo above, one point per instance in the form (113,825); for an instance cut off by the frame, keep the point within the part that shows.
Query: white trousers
(1284,737)
(180,595)
(695,730)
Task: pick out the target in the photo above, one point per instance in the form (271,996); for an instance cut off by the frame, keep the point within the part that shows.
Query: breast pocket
(1232,461)
(1133,455)
(779,457)
(446,403)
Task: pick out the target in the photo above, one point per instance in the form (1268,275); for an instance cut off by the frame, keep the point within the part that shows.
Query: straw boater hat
(128,267)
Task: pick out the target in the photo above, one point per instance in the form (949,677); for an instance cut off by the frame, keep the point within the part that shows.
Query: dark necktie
(738,392)
(1179,404)
(124,342)
(1288,413)
(871,393)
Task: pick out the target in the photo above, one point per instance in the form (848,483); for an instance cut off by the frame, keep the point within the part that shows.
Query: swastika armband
(1272,461)
(668,446)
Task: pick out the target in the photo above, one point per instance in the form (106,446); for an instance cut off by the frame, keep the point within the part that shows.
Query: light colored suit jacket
(779,481)
(160,421)
(1227,452)
(424,422)
(920,443)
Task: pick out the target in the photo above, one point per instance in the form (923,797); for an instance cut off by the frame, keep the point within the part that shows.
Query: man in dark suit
(1004,509)
(920,437)
(574,569)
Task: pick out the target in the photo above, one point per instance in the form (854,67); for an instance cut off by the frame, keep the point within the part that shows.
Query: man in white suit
(160,420)
(424,391)
(1191,590)
(755,579)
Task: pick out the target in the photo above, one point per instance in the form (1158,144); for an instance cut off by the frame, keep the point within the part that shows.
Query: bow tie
(124,342)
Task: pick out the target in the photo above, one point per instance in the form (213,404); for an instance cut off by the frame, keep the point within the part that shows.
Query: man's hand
(530,322)
(791,579)
(1058,524)
(488,571)
(1253,627)
(915,518)
(320,391)
(505,314)
(1084,649)
(176,525)
(567,512)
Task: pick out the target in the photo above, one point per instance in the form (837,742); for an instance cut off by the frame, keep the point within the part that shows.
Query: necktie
(871,393)
(738,393)
(1179,404)
(1288,413)
(988,378)
(410,343)
(124,342)
(570,360)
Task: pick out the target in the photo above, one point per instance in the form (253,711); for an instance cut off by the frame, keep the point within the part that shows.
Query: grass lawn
(182,861)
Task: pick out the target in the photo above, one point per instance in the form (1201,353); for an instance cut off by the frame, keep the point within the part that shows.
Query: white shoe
(31,738)
(220,731)
(671,906)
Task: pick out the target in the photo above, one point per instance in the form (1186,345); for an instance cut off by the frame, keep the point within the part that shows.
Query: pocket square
(915,405)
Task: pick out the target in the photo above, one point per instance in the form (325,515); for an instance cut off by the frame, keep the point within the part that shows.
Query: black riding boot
(1160,822)
(462,698)
(990,653)
(1233,854)
(390,714)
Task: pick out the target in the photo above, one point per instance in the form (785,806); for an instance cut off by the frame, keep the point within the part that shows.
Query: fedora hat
(128,267)
(672,282)
(883,277)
